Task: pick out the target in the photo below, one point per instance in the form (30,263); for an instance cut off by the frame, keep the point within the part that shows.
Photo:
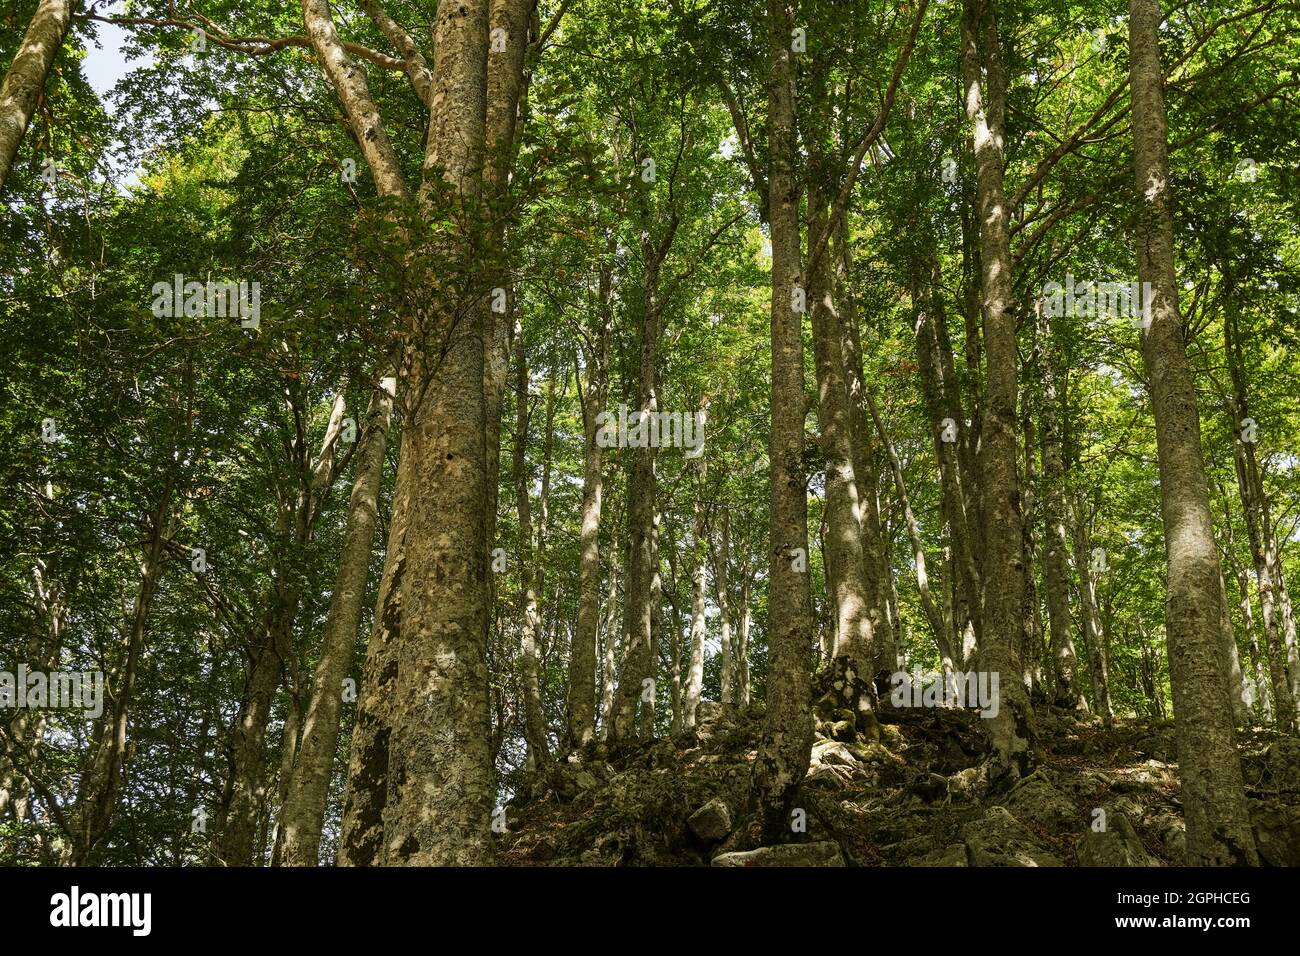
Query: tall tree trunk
(699,572)
(865,465)
(1093,642)
(1259,530)
(853,595)
(100,781)
(25,79)
(582,659)
(440,779)
(638,615)
(1056,579)
(611,633)
(943,403)
(530,574)
(742,634)
(1011,731)
(303,815)
(786,742)
(721,584)
(1214,800)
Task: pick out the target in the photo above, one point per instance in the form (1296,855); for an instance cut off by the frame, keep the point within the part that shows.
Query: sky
(104,67)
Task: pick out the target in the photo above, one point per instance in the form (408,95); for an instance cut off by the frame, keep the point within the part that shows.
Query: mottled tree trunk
(440,779)
(25,79)
(1214,800)
(853,595)
(611,633)
(743,628)
(984,80)
(786,741)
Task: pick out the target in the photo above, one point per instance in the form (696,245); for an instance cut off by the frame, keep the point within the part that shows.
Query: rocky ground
(908,789)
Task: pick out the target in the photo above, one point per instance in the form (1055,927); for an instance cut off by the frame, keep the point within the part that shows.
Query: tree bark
(786,741)
(303,814)
(440,779)
(1011,731)
(25,79)
(1214,800)
(1056,579)
(582,658)
(530,582)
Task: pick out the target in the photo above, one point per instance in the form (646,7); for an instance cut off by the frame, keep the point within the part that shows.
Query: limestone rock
(825,853)
(1277,832)
(712,821)
(954,855)
(999,839)
(1035,799)
(1117,845)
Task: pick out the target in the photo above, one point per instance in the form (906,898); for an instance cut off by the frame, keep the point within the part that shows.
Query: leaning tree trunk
(303,814)
(1011,731)
(786,742)
(25,79)
(100,782)
(1214,800)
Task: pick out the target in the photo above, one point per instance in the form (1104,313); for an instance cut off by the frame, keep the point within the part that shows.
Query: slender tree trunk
(1011,731)
(99,785)
(786,742)
(742,635)
(1264,703)
(530,571)
(699,571)
(1092,637)
(638,615)
(25,80)
(611,632)
(1259,530)
(721,585)
(303,816)
(1214,800)
(1056,579)
(582,659)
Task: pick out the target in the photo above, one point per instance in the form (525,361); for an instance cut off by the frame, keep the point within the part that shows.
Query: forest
(649,433)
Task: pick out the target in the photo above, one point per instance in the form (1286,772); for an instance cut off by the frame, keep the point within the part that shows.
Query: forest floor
(911,790)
